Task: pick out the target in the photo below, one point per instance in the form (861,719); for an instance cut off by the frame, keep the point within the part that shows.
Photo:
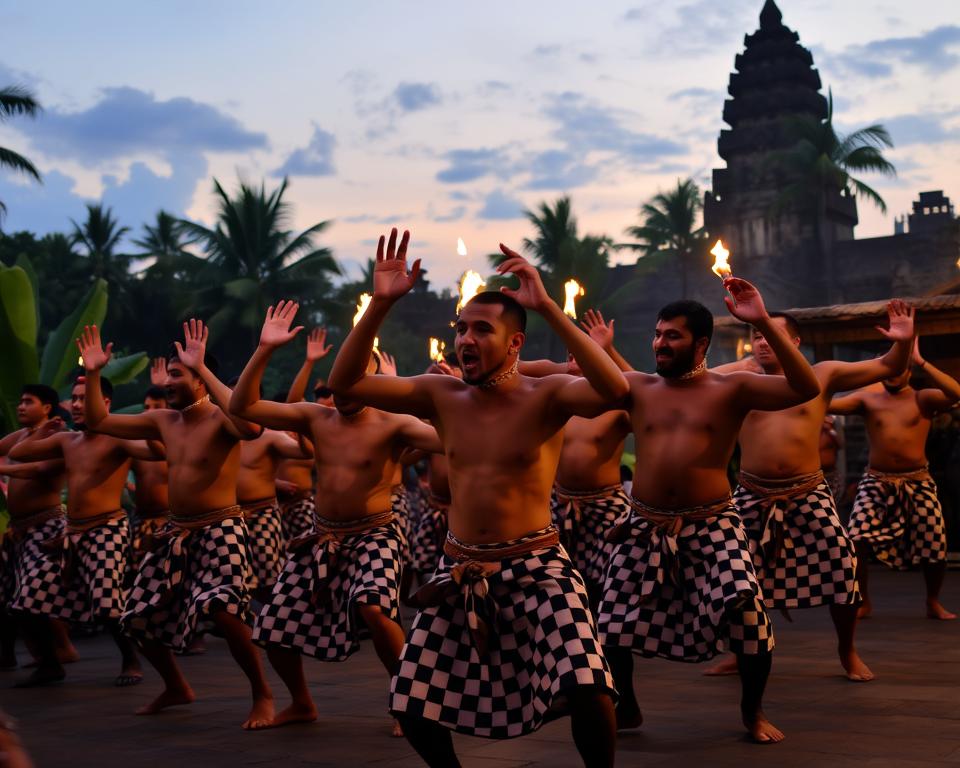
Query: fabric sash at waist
(20,525)
(899,478)
(572,503)
(253,508)
(468,577)
(301,495)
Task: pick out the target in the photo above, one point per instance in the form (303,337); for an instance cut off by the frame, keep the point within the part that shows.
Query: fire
(461,247)
(437,350)
(572,289)
(362,303)
(721,267)
(470,285)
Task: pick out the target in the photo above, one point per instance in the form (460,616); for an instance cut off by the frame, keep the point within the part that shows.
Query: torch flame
(573,289)
(461,247)
(362,303)
(437,350)
(470,285)
(721,267)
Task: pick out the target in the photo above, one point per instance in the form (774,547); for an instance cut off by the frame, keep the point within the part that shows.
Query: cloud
(127,121)
(559,169)
(926,128)
(459,196)
(40,208)
(12,76)
(937,50)
(495,87)
(413,97)
(499,206)
(695,28)
(470,164)
(315,159)
(455,215)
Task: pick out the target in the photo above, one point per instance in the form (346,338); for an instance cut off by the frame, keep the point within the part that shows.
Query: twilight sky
(447,118)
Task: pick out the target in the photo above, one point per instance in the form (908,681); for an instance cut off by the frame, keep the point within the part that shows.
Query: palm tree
(819,163)
(670,228)
(253,259)
(165,242)
(17,100)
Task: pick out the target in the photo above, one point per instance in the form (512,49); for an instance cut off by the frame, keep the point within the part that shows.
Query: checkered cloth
(265,543)
(801,553)
(430,533)
(74,575)
(680,585)
(542,644)
(143,529)
(584,518)
(899,515)
(400,503)
(187,578)
(21,545)
(8,570)
(296,516)
(313,608)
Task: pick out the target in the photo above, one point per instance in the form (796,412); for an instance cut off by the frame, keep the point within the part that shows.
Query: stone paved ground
(910,716)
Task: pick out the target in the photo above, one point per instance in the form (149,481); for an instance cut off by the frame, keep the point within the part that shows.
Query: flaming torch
(470,285)
(362,303)
(437,350)
(572,289)
(461,247)
(721,267)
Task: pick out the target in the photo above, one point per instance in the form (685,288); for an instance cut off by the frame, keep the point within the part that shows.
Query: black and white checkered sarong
(542,645)
(583,519)
(429,534)
(183,582)
(92,590)
(313,607)
(900,517)
(400,503)
(296,517)
(686,595)
(801,553)
(142,530)
(19,552)
(8,570)
(265,545)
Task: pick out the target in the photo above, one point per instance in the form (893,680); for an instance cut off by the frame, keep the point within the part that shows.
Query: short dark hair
(699,318)
(793,325)
(106,386)
(209,359)
(43,393)
(511,307)
(156,393)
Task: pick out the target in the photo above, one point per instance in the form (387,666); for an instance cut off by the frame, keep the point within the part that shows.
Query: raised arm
(847,405)
(946,393)
(46,448)
(145,450)
(317,349)
(32,468)
(769,393)
(537,369)
(245,400)
(602,333)
(597,367)
(286,447)
(420,436)
(842,377)
(748,363)
(132,426)
(349,377)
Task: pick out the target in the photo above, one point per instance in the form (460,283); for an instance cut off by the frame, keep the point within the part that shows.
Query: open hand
(276,329)
(317,347)
(49,427)
(916,358)
(900,317)
(194,348)
(600,332)
(390,277)
(531,293)
(744,302)
(388,364)
(158,371)
(94,356)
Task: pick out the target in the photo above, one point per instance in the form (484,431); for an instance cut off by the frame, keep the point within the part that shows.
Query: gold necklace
(701,368)
(204,399)
(499,379)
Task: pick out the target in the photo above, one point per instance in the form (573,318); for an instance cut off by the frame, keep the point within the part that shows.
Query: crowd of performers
(284,526)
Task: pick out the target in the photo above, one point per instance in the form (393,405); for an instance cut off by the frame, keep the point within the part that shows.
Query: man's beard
(678,365)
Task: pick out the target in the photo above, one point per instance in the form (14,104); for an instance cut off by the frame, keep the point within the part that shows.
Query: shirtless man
(680,580)
(193,581)
(79,575)
(150,494)
(505,625)
(801,552)
(349,570)
(33,501)
(897,515)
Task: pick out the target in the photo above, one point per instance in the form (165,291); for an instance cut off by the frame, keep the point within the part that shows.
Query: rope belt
(899,478)
(17,527)
(572,503)
(253,508)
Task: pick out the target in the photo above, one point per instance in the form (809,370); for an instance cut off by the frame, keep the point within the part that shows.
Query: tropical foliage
(16,101)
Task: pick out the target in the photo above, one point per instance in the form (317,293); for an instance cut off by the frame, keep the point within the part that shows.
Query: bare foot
(296,713)
(196,648)
(42,676)
(397,731)
(865,611)
(938,612)
(726,666)
(68,654)
(762,731)
(127,678)
(171,697)
(856,670)
(628,717)
(261,714)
